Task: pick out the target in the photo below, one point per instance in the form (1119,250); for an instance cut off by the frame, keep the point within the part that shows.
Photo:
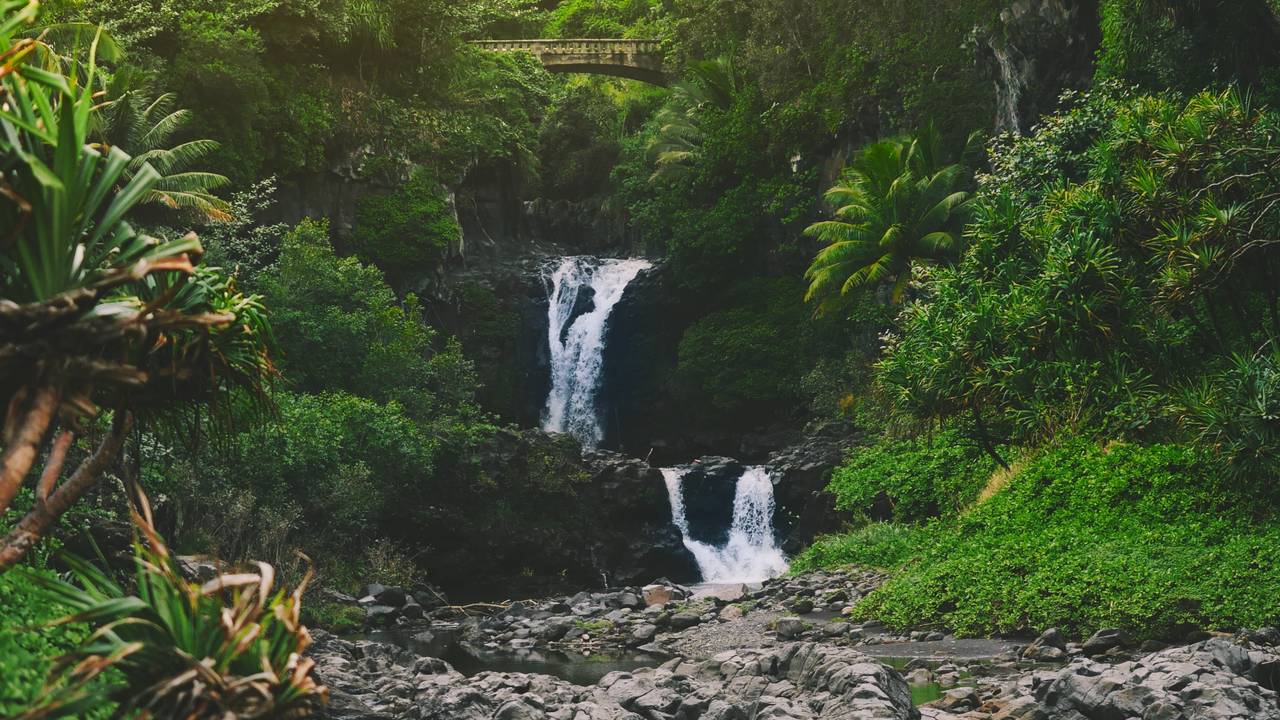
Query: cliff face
(1037,50)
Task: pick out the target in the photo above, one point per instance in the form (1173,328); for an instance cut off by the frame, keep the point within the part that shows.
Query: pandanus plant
(231,647)
(93,313)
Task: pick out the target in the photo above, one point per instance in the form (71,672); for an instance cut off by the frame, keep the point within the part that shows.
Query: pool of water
(921,693)
(579,668)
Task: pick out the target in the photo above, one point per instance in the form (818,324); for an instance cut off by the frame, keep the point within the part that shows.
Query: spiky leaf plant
(227,648)
(93,313)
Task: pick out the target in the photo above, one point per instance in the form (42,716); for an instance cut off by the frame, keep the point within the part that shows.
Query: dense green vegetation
(1062,349)
(1148,538)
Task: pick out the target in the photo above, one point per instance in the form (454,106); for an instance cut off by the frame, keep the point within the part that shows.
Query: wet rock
(801,606)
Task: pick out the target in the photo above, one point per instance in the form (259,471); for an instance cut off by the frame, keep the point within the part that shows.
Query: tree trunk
(46,512)
(23,437)
(984,438)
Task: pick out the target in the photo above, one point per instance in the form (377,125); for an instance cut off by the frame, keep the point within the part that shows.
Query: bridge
(634,59)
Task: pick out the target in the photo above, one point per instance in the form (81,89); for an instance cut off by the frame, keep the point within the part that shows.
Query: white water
(751,554)
(577,352)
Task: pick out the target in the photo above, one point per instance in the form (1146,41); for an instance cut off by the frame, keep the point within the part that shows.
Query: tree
(145,127)
(897,204)
(93,313)
(711,85)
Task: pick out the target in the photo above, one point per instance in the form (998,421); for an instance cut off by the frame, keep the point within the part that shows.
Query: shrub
(231,647)
(1146,538)
(407,231)
(27,650)
(921,477)
(744,357)
(878,545)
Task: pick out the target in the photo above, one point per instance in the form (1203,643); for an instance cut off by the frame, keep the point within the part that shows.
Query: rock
(658,594)
(730,612)
(1104,640)
(1036,50)
(1049,647)
(919,676)
(556,629)
(961,699)
(200,569)
(336,597)
(789,628)
(379,615)
(1264,636)
(685,619)
(412,610)
(1210,680)
(801,606)
(642,633)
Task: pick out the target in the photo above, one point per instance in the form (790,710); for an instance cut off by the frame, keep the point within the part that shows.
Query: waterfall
(577,342)
(751,554)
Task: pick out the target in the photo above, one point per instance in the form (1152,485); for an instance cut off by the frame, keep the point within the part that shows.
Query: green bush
(877,545)
(334,617)
(1087,305)
(1146,538)
(408,231)
(920,478)
(27,650)
(744,357)
(578,143)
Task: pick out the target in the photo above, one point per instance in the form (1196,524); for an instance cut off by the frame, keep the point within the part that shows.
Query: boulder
(789,628)
(1049,647)
(380,615)
(1211,680)
(685,619)
(658,594)
(730,612)
(1104,640)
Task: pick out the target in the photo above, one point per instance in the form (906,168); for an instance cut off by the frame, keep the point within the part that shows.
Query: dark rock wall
(1036,50)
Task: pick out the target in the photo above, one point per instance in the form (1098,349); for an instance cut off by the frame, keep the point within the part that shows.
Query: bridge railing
(572,46)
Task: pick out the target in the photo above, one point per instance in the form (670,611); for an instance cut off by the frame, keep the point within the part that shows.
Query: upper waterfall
(577,341)
(751,553)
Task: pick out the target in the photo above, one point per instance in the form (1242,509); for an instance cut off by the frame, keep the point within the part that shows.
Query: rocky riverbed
(784,649)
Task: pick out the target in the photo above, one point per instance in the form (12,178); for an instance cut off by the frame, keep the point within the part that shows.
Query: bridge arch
(633,59)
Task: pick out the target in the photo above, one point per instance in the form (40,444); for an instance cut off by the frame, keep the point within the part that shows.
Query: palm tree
(94,315)
(897,204)
(711,84)
(145,128)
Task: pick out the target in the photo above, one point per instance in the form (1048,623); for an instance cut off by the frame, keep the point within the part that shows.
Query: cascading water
(577,342)
(750,554)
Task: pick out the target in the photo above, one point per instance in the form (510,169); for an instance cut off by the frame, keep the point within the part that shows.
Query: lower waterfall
(751,554)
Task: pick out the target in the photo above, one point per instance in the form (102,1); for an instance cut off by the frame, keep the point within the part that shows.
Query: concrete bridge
(634,59)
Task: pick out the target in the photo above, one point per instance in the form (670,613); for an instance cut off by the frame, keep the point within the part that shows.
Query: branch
(24,437)
(53,466)
(33,527)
